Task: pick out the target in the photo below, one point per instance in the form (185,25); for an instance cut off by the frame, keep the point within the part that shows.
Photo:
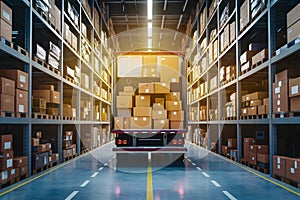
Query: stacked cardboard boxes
(279,165)
(73,13)
(293,24)
(5,21)
(259,155)
(280,92)
(251,102)
(21,166)
(15,100)
(248,142)
(294,94)
(69,149)
(86,107)
(54,15)
(244,14)
(230,107)
(286,167)
(264,109)
(7,169)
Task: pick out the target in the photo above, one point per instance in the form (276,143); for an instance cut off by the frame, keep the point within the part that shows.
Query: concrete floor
(203,176)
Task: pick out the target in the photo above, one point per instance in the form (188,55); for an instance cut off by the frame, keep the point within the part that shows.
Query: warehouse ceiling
(129,15)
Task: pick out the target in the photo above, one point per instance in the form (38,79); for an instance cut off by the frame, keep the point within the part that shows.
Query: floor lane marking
(95,174)
(189,160)
(149,180)
(193,164)
(229,195)
(100,168)
(199,168)
(72,195)
(84,183)
(105,164)
(205,174)
(215,183)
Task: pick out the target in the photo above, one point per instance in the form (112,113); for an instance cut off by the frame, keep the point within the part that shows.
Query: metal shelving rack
(273,65)
(33,19)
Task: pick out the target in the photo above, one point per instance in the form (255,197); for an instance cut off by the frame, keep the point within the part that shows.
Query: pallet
(35,171)
(233,158)
(232,78)
(259,63)
(69,79)
(7,114)
(286,180)
(249,117)
(85,151)
(263,116)
(21,115)
(263,170)
(40,116)
(15,47)
(8,183)
(54,117)
(69,118)
(69,157)
(229,118)
(46,65)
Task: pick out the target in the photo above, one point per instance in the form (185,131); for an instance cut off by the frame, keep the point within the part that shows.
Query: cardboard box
(146,88)
(46,87)
(295,103)
(168,75)
(118,123)
(40,148)
(7,86)
(279,165)
(20,77)
(264,158)
(5,30)
(293,32)
(252,111)
(246,66)
(247,55)
(247,143)
(124,102)
(140,123)
(68,34)
(161,124)
(74,41)
(23,170)
(160,100)
(40,159)
(159,114)
(149,61)
(6,163)
(176,116)
(266,101)
(264,149)
(126,93)
(6,13)
(127,122)
(50,96)
(280,96)
(20,161)
(244,112)
(258,95)
(253,148)
(232,32)
(173,105)
(7,154)
(3,176)
(142,111)
(294,84)
(35,142)
(293,16)
(292,169)
(128,89)
(48,146)
(255,102)
(173,96)
(261,110)
(232,142)
(142,101)
(260,57)
(5,142)
(158,106)
(161,88)
(283,75)
(225,149)
(7,103)
(253,158)
(245,14)
(21,101)
(176,125)
(124,112)
(11,174)
(149,72)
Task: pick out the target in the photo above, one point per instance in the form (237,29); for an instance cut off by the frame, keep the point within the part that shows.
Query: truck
(149,107)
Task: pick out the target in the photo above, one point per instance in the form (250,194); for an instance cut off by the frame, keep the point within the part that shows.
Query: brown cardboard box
(21,101)
(280,96)
(124,112)
(264,158)
(11,174)
(266,101)
(294,84)
(232,142)
(160,100)
(293,16)
(244,14)
(124,102)
(247,143)
(7,154)
(142,101)
(42,148)
(149,72)
(74,41)
(173,96)
(3,176)
(292,169)
(50,96)
(46,87)
(173,105)
(6,142)
(295,103)
(161,124)
(35,142)
(6,163)
(6,13)
(168,75)
(127,122)
(253,148)
(281,76)
(140,123)
(264,149)
(159,114)
(118,123)
(7,86)
(161,88)
(253,158)
(258,95)
(260,57)
(126,93)
(158,106)
(48,146)
(20,77)
(149,61)
(279,165)
(23,170)
(146,88)
(232,31)
(246,66)
(142,111)
(176,125)
(261,110)
(244,112)
(252,111)
(293,32)
(225,149)
(247,56)
(176,116)
(128,89)
(255,102)
(7,103)
(20,161)
(5,30)
(55,157)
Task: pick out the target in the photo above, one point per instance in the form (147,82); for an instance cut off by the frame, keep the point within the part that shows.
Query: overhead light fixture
(162,22)
(179,22)
(184,7)
(165,5)
(149,9)
(149,29)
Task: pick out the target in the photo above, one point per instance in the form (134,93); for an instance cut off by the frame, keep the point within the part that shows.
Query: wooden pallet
(35,171)
(8,183)
(233,158)
(229,118)
(7,114)
(15,47)
(294,113)
(69,79)
(85,151)
(22,177)
(287,181)
(21,115)
(54,117)
(46,65)
(263,116)
(69,118)
(249,117)
(281,115)
(263,170)
(40,116)
(69,157)
(259,63)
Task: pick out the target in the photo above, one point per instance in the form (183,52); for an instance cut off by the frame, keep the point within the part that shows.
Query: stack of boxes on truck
(46,93)
(286,167)
(249,10)
(69,149)
(251,103)
(42,154)
(6,22)
(14,91)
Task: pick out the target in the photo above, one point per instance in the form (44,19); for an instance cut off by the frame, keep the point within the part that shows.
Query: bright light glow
(149,43)
(162,22)
(149,9)
(165,5)
(149,29)
(179,21)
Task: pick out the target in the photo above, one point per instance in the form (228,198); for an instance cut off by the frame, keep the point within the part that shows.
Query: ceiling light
(186,1)
(149,29)
(179,21)
(162,22)
(149,9)
(165,5)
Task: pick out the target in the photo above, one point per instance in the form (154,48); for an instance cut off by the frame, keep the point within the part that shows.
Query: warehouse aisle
(204,176)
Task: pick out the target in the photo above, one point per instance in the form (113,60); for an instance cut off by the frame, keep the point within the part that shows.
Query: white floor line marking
(95,174)
(72,195)
(205,174)
(105,164)
(189,160)
(193,164)
(100,168)
(185,156)
(199,168)
(84,183)
(215,183)
(229,195)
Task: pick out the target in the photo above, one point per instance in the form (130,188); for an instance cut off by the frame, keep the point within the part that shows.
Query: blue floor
(203,176)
